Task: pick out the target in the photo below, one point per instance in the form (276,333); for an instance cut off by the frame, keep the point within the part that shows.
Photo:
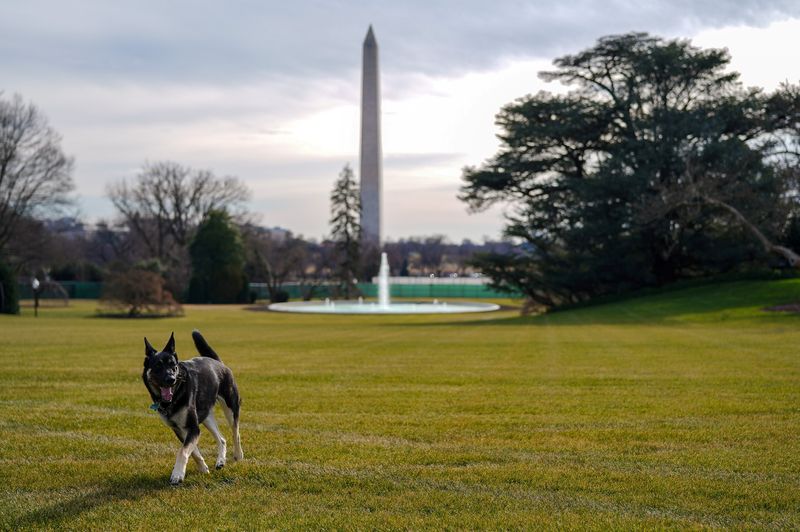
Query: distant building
(67,226)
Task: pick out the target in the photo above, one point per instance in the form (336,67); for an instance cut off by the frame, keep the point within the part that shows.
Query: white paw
(203,468)
(220,464)
(238,454)
(175,479)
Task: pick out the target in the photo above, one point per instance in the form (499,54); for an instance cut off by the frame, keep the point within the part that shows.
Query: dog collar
(161,408)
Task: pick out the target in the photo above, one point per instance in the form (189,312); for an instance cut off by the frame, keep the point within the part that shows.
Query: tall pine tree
(346,230)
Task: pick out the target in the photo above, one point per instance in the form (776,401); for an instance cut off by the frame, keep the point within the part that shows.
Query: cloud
(413,161)
(431,210)
(225,43)
(268,90)
(764,58)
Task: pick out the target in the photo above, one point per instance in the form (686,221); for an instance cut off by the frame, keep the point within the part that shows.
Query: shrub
(280,296)
(138,292)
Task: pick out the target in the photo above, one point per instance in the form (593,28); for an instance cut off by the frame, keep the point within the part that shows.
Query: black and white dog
(184,394)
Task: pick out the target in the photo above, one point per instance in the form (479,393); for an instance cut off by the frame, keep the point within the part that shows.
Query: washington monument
(371,171)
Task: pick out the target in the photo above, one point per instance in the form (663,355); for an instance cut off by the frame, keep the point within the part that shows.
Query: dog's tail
(202,346)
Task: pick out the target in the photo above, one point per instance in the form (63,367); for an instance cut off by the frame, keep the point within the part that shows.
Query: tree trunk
(792,257)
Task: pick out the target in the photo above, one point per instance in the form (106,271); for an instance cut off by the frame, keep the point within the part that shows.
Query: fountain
(384,304)
(383,282)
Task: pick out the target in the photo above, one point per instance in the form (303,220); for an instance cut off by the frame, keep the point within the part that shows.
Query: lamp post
(35,285)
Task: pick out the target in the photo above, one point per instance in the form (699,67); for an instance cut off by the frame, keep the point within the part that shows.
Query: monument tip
(369,40)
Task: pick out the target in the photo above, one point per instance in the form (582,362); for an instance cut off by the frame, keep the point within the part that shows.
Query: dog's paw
(203,468)
(177,476)
(220,465)
(238,454)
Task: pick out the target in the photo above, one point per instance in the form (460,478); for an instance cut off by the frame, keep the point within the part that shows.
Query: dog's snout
(170,380)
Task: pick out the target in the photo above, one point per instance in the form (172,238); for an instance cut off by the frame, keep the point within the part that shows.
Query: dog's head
(161,368)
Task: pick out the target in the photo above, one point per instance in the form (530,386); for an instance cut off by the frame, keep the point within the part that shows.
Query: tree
(778,147)
(9,296)
(35,175)
(111,243)
(346,229)
(593,174)
(31,246)
(276,258)
(432,253)
(163,205)
(217,262)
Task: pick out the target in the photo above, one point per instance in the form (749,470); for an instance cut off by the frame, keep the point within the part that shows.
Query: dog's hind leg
(230,406)
(233,420)
(198,459)
(211,424)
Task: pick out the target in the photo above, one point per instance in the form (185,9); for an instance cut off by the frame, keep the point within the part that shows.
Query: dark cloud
(233,42)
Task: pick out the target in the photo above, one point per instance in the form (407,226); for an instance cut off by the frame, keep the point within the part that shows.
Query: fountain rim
(350,307)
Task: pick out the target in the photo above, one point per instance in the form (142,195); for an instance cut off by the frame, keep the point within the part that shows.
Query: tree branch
(792,257)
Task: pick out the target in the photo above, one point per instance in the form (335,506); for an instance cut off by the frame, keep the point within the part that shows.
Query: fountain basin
(366,307)
(384,304)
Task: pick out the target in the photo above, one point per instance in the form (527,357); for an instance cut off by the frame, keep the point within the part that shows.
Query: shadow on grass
(126,317)
(129,488)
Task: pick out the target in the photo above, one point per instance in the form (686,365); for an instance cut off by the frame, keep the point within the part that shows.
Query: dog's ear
(148,349)
(170,347)
(148,353)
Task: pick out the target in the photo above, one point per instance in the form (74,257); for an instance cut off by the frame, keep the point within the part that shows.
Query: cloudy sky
(268,91)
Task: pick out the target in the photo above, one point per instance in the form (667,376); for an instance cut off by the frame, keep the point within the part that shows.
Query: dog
(184,394)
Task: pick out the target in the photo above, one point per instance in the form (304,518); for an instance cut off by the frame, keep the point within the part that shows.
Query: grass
(669,411)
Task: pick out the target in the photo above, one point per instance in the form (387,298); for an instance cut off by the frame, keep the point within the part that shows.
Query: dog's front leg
(189,444)
(198,457)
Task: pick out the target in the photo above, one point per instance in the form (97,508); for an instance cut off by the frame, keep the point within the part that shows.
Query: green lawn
(676,410)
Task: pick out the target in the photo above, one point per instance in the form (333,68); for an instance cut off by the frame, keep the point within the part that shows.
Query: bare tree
(33,247)
(35,175)
(315,272)
(111,242)
(166,202)
(275,259)
(432,253)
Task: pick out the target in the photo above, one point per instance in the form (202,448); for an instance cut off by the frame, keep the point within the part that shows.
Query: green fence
(89,290)
(74,289)
(471,291)
(436,291)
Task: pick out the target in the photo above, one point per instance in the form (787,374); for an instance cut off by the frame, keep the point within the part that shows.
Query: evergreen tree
(629,179)
(218,262)
(346,230)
